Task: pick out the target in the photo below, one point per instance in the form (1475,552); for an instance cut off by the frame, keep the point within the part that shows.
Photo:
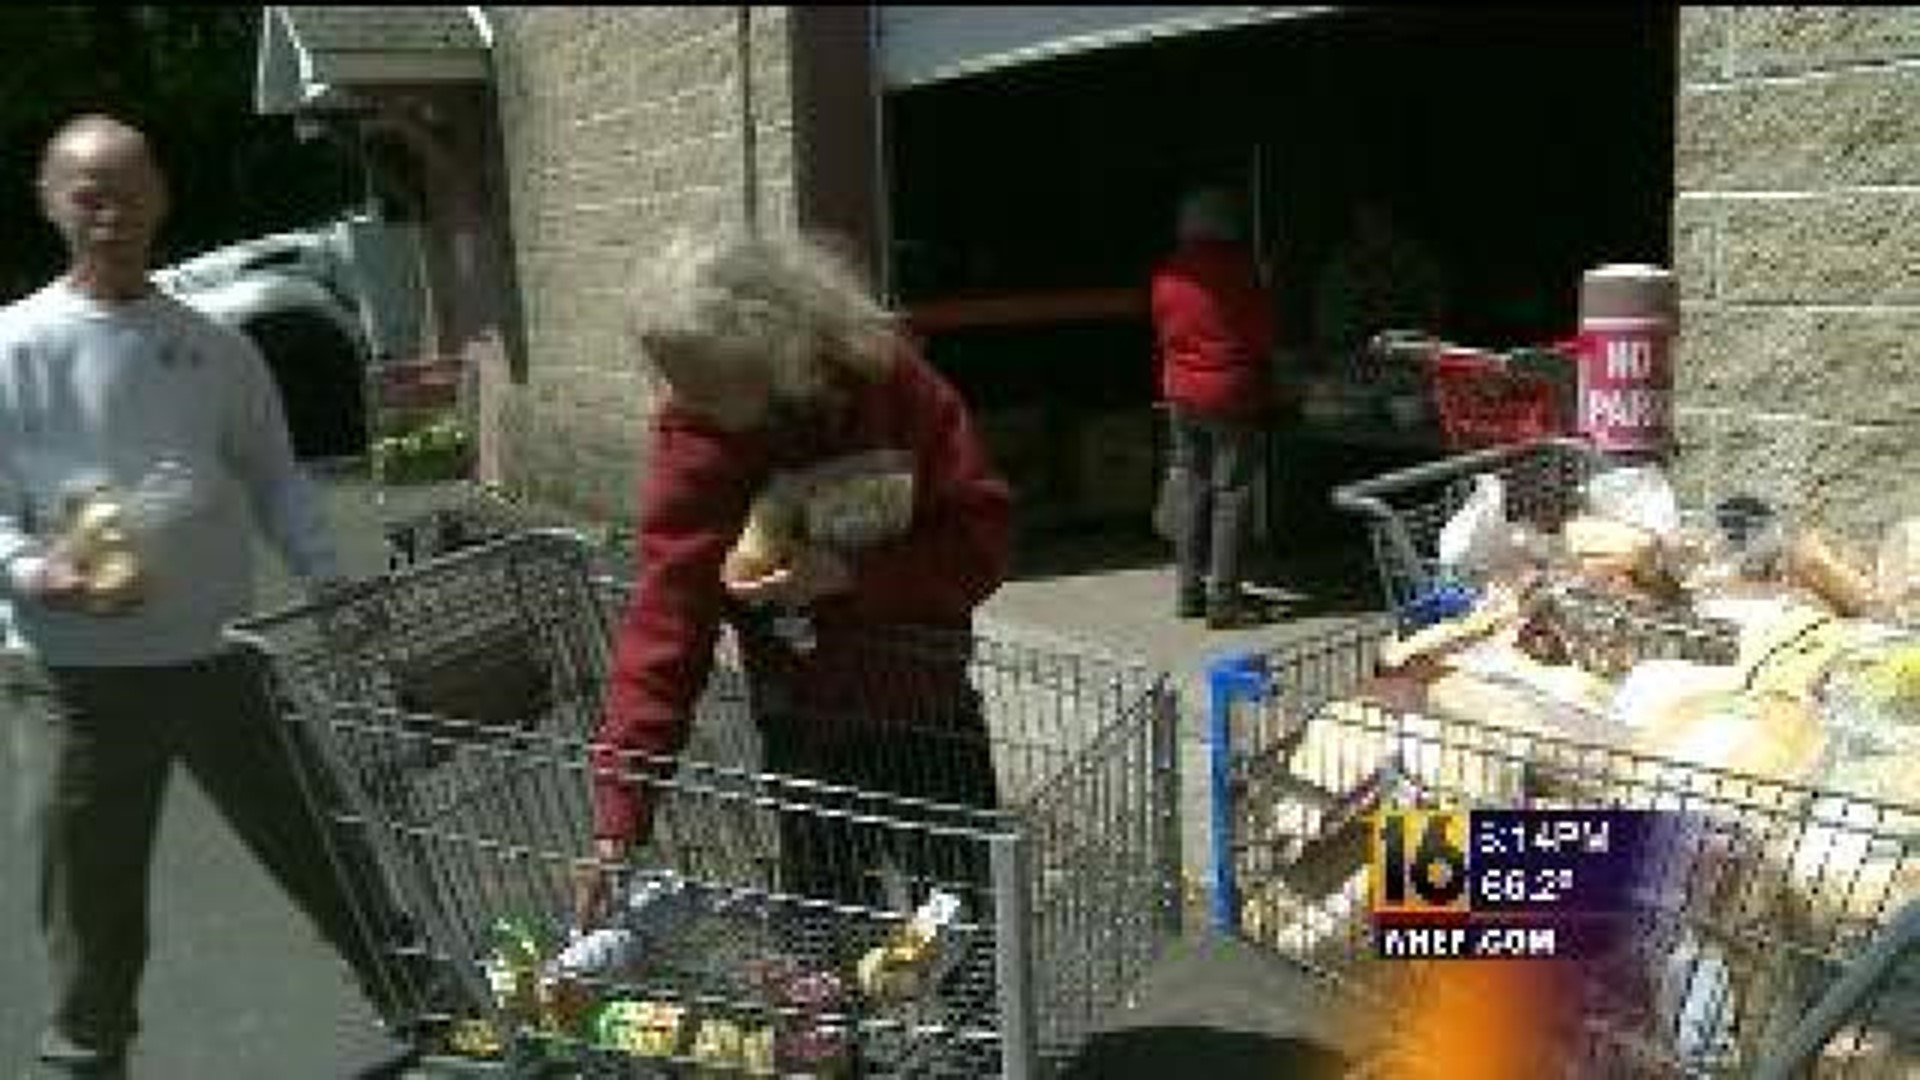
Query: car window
(271,259)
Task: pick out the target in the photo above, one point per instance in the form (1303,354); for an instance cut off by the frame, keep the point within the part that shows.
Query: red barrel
(1628,315)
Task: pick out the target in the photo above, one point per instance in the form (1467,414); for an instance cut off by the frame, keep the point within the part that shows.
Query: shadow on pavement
(1151,1053)
(1302,577)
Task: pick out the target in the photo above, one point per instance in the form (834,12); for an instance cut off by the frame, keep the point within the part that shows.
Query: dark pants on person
(98,746)
(939,764)
(1216,460)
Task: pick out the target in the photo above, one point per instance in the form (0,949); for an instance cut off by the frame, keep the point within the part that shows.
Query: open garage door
(921,44)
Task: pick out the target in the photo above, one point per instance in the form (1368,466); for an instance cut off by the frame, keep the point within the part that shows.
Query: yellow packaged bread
(1760,733)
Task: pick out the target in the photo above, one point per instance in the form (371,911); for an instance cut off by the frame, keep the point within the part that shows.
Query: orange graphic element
(1474,1020)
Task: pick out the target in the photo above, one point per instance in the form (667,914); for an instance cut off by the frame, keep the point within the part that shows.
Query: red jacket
(697,486)
(1213,326)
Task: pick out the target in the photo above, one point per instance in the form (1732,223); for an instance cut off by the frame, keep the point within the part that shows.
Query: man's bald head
(101,187)
(95,137)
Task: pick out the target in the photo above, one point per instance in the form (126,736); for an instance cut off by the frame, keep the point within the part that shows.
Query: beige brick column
(619,124)
(1796,234)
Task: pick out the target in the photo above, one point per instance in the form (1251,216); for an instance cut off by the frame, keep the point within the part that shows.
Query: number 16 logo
(1430,877)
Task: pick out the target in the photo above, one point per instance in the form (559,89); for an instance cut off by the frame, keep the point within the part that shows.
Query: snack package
(901,967)
(512,968)
(641,1028)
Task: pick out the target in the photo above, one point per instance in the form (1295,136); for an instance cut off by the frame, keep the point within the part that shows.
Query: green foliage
(185,74)
(437,448)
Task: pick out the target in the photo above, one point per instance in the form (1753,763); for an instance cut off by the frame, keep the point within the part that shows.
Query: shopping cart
(1404,511)
(1783,934)
(1724,460)
(1484,398)
(468,514)
(443,713)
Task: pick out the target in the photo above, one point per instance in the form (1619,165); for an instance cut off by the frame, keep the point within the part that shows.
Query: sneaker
(61,1058)
(1236,612)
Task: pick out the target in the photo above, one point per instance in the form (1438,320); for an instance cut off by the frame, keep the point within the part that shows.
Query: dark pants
(943,758)
(100,744)
(1217,461)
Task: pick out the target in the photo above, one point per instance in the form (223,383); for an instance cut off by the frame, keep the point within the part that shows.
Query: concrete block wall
(1796,230)
(619,124)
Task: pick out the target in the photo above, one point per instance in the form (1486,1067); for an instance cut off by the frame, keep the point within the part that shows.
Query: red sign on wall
(1626,384)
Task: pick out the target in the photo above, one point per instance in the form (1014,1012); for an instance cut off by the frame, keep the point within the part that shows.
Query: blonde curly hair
(784,301)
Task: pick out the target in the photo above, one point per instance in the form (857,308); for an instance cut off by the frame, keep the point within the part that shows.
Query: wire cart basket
(1781,939)
(1766,459)
(443,717)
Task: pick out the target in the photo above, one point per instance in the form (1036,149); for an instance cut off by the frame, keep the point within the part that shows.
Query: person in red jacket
(1213,328)
(779,371)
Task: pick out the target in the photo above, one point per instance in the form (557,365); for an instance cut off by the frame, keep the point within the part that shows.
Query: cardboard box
(1018,441)
(1115,466)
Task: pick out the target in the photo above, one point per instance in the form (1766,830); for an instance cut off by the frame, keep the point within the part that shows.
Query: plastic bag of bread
(1766,734)
(1638,496)
(1328,930)
(1467,758)
(96,539)
(855,501)
(1611,552)
(1897,572)
(1815,561)
(1474,539)
(1498,684)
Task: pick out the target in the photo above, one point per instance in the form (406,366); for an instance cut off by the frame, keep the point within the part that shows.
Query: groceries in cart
(1725,643)
(593,990)
(901,967)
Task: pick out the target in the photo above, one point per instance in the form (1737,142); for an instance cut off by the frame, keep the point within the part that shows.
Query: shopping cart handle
(1364,496)
(1862,977)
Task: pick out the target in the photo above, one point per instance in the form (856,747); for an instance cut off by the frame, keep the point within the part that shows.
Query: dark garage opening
(1519,147)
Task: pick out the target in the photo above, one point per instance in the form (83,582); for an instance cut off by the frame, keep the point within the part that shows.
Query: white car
(323,305)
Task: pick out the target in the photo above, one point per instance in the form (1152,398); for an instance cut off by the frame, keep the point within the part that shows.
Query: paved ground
(237,989)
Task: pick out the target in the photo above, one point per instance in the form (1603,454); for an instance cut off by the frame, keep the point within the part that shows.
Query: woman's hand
(596,881)
(812,573)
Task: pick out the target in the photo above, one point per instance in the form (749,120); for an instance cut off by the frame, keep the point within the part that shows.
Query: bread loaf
(766,542)
(1766,734)
(1813,561)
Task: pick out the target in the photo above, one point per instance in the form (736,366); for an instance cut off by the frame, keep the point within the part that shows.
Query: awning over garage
(922,44)
(312,58)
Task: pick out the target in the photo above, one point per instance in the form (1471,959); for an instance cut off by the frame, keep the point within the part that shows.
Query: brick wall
(1797,242)
(618,124)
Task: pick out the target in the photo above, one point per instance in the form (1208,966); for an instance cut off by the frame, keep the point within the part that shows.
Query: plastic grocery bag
(1637,495)
(1897,575)
(1475,538)
(1169,509)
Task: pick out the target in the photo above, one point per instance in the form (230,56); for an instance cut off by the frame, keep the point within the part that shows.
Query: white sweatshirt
(151,397)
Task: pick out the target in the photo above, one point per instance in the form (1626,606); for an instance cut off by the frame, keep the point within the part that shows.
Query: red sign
(1626,384)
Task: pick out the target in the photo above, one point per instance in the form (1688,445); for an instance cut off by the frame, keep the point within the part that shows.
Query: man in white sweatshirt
(105,381)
